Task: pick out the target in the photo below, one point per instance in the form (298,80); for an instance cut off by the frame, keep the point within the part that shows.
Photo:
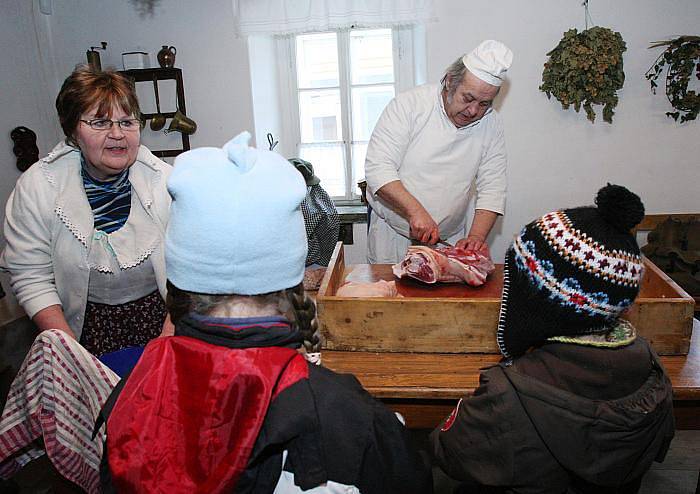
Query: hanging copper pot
(182,123)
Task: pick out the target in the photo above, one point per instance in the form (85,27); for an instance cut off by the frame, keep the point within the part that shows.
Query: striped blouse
(110,200)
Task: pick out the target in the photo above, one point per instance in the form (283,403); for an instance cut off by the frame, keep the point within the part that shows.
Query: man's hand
(475,243)
(423,227)
(476,238)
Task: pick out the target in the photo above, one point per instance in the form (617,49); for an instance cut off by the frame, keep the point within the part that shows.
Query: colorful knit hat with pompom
(571,272)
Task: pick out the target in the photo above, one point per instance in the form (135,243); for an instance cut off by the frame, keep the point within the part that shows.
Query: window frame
(407,73)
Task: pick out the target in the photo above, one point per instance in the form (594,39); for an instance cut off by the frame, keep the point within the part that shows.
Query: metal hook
(271,141)
(586,13)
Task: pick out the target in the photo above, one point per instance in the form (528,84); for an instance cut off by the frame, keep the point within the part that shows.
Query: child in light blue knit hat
(229,404)
(235,222)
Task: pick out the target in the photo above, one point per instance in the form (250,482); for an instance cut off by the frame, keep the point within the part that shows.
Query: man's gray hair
(453,77)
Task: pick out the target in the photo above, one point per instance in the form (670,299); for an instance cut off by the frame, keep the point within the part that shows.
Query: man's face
(470,100)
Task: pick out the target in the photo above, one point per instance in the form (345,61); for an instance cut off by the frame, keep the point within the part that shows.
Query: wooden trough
(456,318)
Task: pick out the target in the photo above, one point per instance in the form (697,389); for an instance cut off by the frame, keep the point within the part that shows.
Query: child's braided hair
(293,303)
(305,320)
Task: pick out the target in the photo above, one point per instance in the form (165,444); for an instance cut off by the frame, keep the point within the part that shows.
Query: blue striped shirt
(110,200)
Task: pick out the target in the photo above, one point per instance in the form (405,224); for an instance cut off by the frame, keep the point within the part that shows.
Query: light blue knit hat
(236,225)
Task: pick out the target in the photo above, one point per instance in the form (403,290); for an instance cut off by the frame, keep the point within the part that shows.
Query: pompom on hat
(571,272)
(236,225)
(489,61)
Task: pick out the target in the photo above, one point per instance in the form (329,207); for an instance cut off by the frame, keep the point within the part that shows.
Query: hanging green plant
(585,69)
(681,59)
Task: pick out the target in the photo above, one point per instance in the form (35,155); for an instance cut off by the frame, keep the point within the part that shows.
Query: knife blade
(439,242)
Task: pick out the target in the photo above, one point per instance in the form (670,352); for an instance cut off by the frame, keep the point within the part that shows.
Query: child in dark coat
(580,403)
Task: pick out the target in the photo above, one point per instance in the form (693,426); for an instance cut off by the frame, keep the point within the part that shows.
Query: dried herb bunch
(682,59)
(585,69)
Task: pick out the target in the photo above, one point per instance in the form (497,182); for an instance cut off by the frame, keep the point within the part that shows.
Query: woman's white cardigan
(49,230)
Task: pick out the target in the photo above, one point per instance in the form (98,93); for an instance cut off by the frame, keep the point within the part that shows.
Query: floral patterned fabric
(109,328)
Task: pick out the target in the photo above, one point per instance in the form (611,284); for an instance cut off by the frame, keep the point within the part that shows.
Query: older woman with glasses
(84,226)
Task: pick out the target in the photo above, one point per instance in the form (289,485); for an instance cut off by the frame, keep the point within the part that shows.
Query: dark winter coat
(561,417)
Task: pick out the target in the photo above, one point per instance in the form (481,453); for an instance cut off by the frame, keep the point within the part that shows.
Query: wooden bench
(651,221)
(425,387)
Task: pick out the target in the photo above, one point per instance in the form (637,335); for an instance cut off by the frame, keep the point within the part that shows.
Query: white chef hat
(489,61)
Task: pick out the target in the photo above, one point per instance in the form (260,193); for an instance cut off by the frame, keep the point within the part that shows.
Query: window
(337,88)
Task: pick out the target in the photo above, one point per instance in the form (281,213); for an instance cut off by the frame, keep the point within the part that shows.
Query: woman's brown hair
(85,88)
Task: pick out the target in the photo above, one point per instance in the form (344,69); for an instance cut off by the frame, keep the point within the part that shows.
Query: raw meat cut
(379,288)
(444,265)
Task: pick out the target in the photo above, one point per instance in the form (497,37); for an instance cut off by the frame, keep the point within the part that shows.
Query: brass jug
(182,123)
(166,56)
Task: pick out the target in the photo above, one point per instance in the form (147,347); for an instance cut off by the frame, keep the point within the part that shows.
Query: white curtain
(282,17)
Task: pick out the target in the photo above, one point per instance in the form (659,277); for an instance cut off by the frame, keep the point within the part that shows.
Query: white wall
(25,98)
(266,94)
(557,158)
(214,62)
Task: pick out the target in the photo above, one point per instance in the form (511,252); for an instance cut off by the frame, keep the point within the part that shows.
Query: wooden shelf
(161,74)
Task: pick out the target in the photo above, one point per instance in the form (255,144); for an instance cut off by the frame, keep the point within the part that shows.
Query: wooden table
(425,387)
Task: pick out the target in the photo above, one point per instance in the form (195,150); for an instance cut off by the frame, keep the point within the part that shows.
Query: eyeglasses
(127,125)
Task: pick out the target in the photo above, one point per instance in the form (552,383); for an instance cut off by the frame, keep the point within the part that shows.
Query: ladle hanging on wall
(158,120)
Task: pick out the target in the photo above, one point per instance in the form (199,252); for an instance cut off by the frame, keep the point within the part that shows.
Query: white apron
(415,142)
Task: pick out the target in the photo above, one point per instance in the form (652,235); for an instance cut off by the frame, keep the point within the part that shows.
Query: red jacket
(195,416)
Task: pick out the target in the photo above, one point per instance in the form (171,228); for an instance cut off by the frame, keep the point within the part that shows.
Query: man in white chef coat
(429,146)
